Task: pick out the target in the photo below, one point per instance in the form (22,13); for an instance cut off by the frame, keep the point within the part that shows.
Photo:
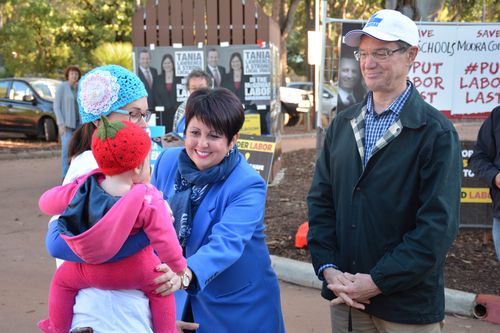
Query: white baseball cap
(387,25)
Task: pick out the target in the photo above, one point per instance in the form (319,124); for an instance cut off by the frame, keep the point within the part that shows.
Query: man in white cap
(385,196)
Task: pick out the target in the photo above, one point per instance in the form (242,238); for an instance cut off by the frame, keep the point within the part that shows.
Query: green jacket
(394,219)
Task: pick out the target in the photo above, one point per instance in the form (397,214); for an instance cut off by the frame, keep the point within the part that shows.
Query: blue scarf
(191,187)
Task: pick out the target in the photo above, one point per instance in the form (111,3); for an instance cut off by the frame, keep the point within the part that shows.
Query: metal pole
(318,77)
(321,80)
(316,66)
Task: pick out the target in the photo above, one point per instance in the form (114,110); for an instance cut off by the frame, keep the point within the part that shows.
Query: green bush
(113,53)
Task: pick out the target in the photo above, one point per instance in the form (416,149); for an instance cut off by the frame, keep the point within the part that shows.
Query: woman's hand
(182,325)
(62,130)
(168,282)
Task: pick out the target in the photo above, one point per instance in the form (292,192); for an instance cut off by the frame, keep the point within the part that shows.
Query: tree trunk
(286,24)
(283,60)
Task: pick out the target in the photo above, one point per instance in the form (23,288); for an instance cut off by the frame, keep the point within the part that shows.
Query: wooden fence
(209,22)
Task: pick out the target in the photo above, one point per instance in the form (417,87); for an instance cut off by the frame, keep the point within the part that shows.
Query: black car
(26,106)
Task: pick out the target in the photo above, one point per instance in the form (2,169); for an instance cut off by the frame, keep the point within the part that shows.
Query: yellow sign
(251,126)
(252,145)
(475,195)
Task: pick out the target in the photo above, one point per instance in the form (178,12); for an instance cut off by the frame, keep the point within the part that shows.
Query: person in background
(218,203)
(108,311)
(66,111)
(349,90)
(213,69)
(195,80)
(147,74)
(235,79)
(384,201)
(98,212)
(485,162)
(165,91)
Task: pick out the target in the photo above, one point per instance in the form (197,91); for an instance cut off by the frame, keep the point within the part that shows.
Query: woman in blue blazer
(218,202)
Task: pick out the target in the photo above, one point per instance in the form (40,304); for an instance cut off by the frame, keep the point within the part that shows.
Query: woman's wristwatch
(186,278)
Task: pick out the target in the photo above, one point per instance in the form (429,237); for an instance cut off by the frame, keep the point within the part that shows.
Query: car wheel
(49,130)
(294,120)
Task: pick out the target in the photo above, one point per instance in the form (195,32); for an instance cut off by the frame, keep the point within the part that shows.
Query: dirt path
(26,267)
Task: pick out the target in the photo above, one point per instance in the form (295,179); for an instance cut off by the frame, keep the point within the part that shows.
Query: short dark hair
(402,44)
(235,55)
(72,68)
(144,51)
(218,108)
(198,73)
(169,56)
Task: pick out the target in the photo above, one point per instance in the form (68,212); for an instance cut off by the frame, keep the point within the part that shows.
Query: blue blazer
(236,289)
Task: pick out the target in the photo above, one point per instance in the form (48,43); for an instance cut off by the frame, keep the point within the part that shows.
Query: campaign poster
(251,126)
(249,71)
(185,62)
(246,70)
(172,66)
(457,69)
(349,82)
(475,200)
(259,152)
(258,67)
(169,67)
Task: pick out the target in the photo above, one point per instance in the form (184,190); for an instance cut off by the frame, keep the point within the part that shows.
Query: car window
(3,88)
(19,90)
(46,88)
(304,86)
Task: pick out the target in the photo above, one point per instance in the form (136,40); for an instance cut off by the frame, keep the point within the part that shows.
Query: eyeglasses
(136,116)
(377,55)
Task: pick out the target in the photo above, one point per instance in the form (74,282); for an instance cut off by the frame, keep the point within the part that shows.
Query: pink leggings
(134,272)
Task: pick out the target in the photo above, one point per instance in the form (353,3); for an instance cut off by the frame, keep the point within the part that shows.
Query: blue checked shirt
(377,124)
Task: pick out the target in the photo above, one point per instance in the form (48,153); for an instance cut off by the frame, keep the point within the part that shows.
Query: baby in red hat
(98,212)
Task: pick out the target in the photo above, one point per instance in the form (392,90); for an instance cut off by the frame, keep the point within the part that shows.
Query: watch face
(185,281)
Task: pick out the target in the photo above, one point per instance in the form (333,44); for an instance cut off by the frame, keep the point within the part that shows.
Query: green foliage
(93,22)
(42,37)
(296,50)
(28,38)
(297,40)
(113,53)
(470,11)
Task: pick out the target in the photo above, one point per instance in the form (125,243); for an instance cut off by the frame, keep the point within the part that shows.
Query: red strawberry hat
(119,146)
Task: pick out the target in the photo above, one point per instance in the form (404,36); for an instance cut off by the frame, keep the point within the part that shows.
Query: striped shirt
(377,124)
